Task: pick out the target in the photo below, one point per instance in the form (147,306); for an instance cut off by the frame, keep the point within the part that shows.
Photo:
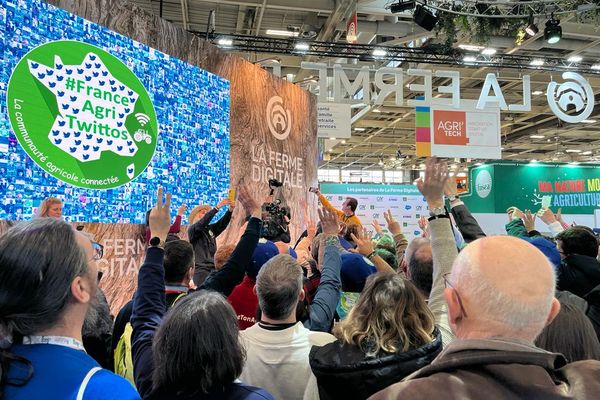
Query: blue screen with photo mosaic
(192,106)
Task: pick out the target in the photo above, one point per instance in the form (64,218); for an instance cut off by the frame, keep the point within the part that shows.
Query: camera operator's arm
(328,293)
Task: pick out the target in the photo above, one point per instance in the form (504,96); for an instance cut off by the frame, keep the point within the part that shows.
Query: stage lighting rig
(402,5)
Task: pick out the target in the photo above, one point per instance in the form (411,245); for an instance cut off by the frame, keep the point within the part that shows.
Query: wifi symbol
(142,118)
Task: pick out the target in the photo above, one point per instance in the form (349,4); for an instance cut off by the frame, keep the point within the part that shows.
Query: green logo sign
(82,115)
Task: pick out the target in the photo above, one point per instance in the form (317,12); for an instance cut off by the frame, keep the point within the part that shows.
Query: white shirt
(277,360)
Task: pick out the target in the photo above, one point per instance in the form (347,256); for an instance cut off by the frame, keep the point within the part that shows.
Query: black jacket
(578,274)
(343,371)
(466,223)
(202,236)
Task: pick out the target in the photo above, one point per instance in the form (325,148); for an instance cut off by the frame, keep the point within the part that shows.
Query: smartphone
(231,195)
(80,227)
(313,189)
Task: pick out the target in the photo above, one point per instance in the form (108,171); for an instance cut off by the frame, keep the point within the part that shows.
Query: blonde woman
(50,207)
(387,335)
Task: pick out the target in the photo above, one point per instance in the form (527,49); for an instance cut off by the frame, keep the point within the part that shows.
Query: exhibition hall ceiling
(385,134)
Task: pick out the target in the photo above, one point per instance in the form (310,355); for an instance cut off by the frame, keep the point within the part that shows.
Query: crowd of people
(454,314)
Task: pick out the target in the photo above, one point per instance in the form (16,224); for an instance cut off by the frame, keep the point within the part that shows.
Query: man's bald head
(507,289)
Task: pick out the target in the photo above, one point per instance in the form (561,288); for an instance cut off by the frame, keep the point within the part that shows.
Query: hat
(265,250)
(354,272)
(546,247)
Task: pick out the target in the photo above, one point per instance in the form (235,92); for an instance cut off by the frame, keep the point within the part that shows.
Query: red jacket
(244,302)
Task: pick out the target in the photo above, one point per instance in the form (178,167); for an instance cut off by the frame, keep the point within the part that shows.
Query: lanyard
(56,340)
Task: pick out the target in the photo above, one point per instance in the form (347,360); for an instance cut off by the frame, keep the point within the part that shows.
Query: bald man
(500,296)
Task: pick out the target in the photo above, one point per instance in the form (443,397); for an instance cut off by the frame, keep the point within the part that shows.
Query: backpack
(123,357)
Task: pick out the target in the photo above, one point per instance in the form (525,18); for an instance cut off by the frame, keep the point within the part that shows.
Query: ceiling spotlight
(281,32)
(537,63)
(537,136)
(360,129)
(376,110)
(553,31)
(574,59)
(573,151)
(469,58)
(537,92)
(379,53)
(531,29)
(402,5)
(488,52)
(470,47)
(424,18)
(595,66)
(589,121)
(302,46)
(225,42)
(586,153)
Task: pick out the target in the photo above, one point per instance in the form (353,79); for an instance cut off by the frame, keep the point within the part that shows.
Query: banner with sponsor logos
(180,105)
(405,202)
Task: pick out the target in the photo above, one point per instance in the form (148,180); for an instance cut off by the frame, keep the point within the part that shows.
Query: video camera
(276,218)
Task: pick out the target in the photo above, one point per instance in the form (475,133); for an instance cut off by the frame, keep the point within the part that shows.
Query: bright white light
(574,162)
(533,161)
(595,66)
(537,63)
(470,59)
(225,42)
(488,52)
(478,163)
(302,46)
(379,53)
(278,32)
(359,129)
(537,92)
(461,174)
(376,110)
(573,151)
(537,136)
(470,47)
(586,153)
(343,142)
(574,59)
(589,121)
(332,138)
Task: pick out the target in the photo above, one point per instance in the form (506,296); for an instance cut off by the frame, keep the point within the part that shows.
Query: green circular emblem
(82,115)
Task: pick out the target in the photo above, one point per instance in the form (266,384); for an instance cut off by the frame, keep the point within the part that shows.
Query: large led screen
(100,120)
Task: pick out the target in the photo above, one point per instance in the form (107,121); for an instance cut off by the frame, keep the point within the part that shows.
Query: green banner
(495,187)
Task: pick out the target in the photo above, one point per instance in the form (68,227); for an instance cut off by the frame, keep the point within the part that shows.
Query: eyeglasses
(98,251)
(460,303)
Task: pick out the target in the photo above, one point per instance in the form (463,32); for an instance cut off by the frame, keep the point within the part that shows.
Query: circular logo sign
(82,115)
(279,119)
(576,92)
(483,184)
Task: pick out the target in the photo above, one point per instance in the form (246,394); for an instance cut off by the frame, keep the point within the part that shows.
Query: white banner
(334,120)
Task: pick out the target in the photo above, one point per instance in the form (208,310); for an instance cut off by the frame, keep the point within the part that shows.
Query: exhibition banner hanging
(334,121)
(467,132)
(495,187)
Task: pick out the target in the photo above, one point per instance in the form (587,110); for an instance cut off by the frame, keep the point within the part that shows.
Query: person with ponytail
(48,276)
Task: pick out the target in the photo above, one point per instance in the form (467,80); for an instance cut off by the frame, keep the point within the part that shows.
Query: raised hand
(364,243)
(377,227)
(547,216)
(432,187)
(450,188)
(224,202)
(514,213)
(160,216)
(311,229)
(529,220)
(248,203)
(182,209)
(392,225)
(424,225)
(329,222)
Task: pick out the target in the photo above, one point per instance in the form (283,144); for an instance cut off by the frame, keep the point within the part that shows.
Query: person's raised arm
(364,246)
(218,227)
(328,293)
(176,227)
(149,304)
(232,273)
(465,222)
(399,239)
(443,244)
(326,204)
(549,219)
(515,226)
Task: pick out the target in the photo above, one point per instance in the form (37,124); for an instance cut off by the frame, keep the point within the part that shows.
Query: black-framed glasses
(98,251)
(460,303)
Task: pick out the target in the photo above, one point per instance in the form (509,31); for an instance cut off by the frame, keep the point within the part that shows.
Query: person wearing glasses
(48,278)
(500,296)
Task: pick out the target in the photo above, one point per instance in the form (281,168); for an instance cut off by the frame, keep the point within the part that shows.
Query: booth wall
(263,108)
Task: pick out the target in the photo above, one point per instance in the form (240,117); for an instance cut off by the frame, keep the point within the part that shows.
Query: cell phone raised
(313,189)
